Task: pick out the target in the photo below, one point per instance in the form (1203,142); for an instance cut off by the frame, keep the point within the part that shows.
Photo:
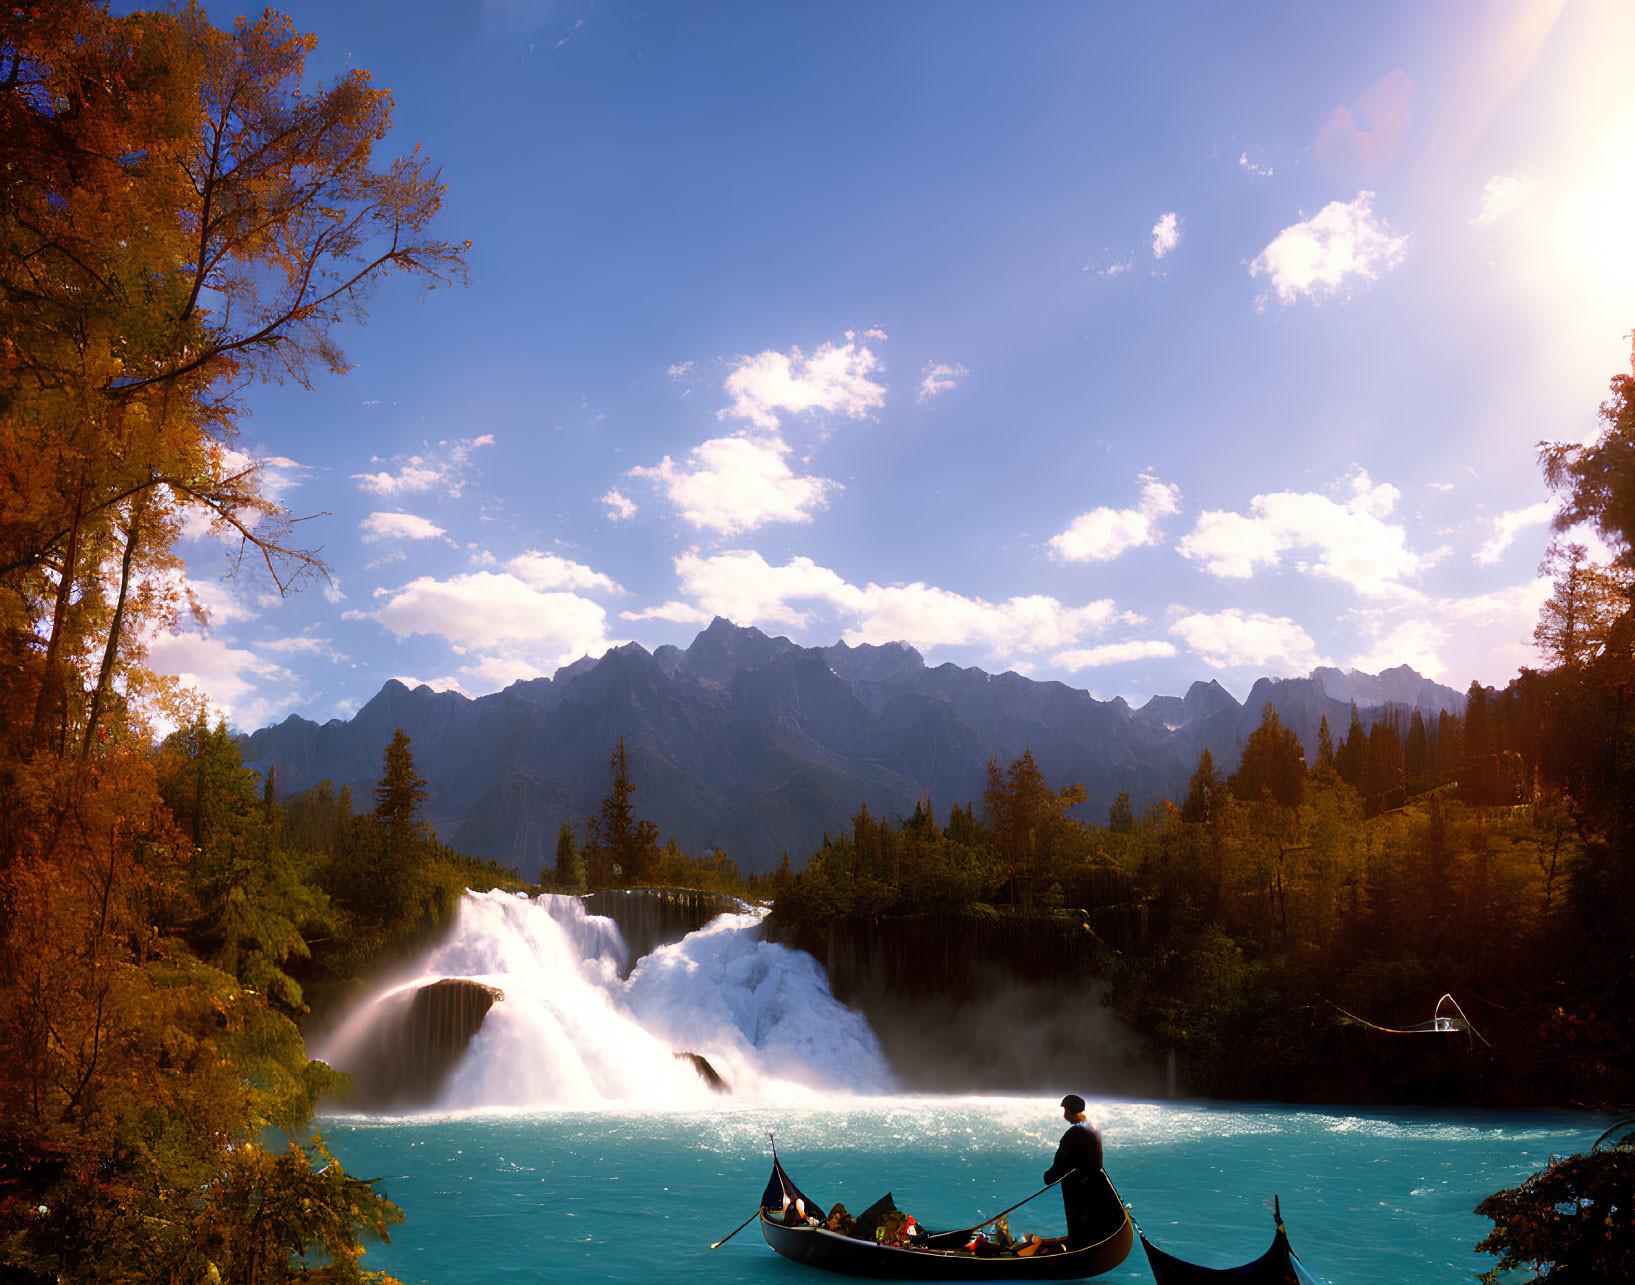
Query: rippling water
(638,1195)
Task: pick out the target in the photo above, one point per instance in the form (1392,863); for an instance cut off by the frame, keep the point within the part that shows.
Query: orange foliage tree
(180,215)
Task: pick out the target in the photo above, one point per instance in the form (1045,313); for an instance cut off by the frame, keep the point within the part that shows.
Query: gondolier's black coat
(1079,1155)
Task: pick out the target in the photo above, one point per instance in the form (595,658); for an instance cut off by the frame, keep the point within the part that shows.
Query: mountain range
(760,746)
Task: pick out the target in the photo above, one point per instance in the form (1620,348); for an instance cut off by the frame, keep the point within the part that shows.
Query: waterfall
(572,1031)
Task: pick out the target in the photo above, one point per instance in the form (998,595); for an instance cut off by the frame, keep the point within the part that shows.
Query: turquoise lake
(635,1195)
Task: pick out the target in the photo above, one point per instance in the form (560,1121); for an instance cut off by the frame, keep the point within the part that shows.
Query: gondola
(1279,1265)
(939,1260)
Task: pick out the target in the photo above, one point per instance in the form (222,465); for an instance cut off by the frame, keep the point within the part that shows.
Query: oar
(979,1226)
(740,1227)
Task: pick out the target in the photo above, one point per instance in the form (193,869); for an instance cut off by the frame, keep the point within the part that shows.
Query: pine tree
(1416,753)
(1351,759)
(1273,764)
(399,793)
(569,869)
(1476,768)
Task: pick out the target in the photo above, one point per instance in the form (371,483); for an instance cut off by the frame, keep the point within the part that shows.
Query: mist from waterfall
(571,1033)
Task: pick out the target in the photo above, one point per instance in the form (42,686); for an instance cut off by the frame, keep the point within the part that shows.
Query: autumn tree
(186,219)
(1030,822)
(1584,604)
(1596,480)
(1273,764)
(181,216)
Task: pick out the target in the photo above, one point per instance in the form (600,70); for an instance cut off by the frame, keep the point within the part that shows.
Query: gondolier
(1078,1168)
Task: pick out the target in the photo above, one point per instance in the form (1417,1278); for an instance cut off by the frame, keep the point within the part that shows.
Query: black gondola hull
(1279,1265)
(818,1247)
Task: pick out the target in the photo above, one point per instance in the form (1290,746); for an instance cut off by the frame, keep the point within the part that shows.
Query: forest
(1275,925)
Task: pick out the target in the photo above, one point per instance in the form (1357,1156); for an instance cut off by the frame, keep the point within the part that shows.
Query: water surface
(638,1194)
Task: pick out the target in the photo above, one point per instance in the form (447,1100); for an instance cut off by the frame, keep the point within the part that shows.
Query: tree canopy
(182,214)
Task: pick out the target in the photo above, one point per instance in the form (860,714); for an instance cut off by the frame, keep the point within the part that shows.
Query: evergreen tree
(1205,793)
(1450,744)
(1416,754)
(1031,827)
(1383,779)
(1273,764)
(621,847)
(399,793)
(1351,759)
(569,870)
(1476,783)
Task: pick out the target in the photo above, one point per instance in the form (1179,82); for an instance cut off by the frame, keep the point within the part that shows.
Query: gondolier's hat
(1073,1102)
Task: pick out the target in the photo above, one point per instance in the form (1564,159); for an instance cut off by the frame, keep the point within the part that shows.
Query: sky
(1121,345)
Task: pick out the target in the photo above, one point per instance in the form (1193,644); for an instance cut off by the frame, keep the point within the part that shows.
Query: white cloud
(619,505)
(1263,171)
(686,374)
(398,526)
(735,484)
(447,466)
(446,683)
(926,616)
(1451,639)
(303,645)
(938,377)
(1504,194)
(1507,525)
(1343,243)
(228,676)
(508,628)
(1113,654)
(212,600)
(1233,639)
(1353,543)
(742,586)
(547,571)
(1102,534)
(1517,605)
(834,379)
(1166,234)
(1413,642)
(1230,545)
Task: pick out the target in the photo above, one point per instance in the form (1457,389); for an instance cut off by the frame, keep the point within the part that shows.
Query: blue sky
(1120,345)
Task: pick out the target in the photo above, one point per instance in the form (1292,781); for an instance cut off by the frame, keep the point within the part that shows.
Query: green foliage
(1572,1222)
(569,869)
(622,850)
(269,1208)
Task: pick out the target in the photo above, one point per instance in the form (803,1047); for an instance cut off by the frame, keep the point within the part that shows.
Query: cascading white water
(570,1032)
